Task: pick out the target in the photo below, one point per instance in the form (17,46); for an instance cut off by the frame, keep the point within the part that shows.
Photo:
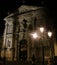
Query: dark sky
(10,5)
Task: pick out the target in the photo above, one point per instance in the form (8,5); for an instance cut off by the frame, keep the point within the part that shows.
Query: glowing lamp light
(49,34)
(34,35)
(41,29)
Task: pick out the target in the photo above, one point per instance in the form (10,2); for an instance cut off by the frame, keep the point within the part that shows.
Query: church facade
(18,43)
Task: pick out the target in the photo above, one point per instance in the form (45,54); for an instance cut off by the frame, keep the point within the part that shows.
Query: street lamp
(49,35)
(42,30)
(35,35)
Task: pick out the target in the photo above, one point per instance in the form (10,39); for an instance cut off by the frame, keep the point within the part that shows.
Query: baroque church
(18,44)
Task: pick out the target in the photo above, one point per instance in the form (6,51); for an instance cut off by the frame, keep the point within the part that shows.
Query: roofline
(13,14)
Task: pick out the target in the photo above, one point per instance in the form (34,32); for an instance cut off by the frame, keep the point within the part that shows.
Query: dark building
(18,41)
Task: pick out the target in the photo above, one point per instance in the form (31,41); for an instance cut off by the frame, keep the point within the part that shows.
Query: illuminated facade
(18,44)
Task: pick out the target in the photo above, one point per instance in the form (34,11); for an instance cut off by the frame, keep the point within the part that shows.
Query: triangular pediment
(22,9)
(25,8)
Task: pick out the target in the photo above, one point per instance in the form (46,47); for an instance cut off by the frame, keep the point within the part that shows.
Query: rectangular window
(9,29)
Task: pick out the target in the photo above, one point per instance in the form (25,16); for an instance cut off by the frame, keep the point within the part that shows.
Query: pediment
(25,8)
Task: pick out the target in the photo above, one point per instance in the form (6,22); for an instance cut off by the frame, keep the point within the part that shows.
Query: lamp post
(35,36)
(49,35)
(42,30)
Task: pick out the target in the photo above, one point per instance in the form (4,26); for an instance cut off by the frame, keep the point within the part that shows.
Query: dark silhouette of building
(17,39)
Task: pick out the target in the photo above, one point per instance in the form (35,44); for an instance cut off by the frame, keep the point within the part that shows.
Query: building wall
(20,26)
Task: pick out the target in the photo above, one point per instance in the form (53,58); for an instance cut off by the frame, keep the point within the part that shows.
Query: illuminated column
(8,36)
(4,35)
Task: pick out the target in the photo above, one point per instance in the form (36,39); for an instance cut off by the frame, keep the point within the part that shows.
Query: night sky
(11,5)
